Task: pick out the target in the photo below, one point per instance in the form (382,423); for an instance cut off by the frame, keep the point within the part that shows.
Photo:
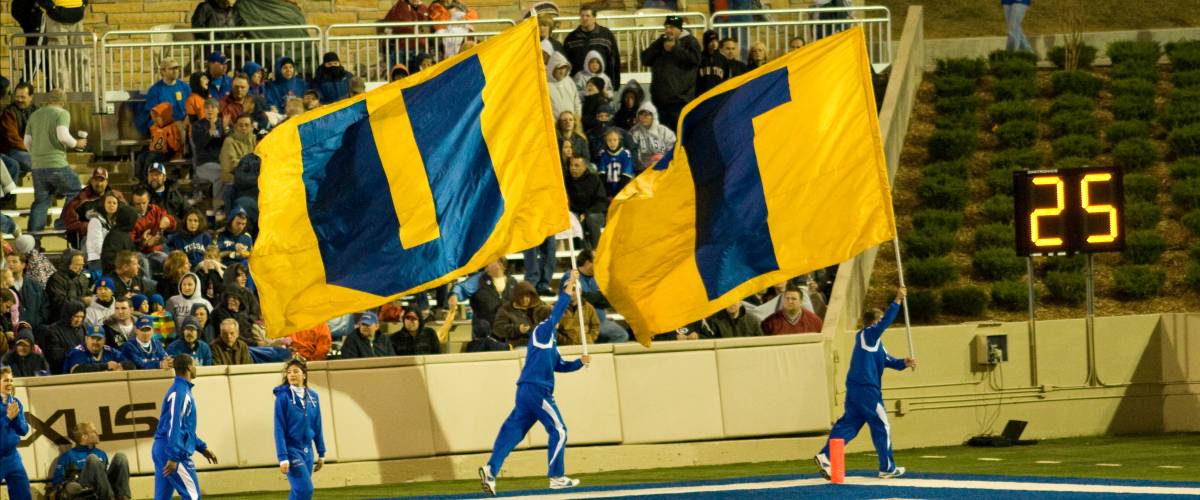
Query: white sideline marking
(871,481)
(1108,465)
(933,456)
(1047,462)
(987,459)
(1170,467)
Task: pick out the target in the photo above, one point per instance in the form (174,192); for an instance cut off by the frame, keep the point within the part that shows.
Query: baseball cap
(144,322)
(168,62)
(216,57)
(100,173)
(95,331)
(675,21)
(158,167)
(368,318)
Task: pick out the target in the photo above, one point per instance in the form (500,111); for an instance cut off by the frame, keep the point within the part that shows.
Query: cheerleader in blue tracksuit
(297,429)
(175,440)
(12,427)
(864,399)
(535,399)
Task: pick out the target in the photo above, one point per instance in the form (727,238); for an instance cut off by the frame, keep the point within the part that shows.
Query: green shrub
(1187,79)
(947,193)
(1138,282)
(951,144)
(1007,111)
(953,168)
(1010,89)
(1141,187)
(956,105)
(1135,154)
(1010,159)
(1073,123)
(1193,276)
(1058,56)
(1182,110)
(1142,215)
(1065,287)
(998,208)
(1132,87)
(1144,52)
(962,121)
(1194,252)
(993,236)
(1132,129)
(1131,70)
(953,85)
(1010,295)
(968,301)
(1186,168)
(1000,181)
(1014,68)
(1186,193)
(1017,134)
(937,220)
(924,306)
(1072,102)
(998,263)
(1073,162)
(1072,264)
(1077,82)
(973,68)
(930,272)
(1133,108)
(1143,246)
(922,244)
(1001,55)
(1185,56)
(1084,146)
(1191,221)
(1185,141)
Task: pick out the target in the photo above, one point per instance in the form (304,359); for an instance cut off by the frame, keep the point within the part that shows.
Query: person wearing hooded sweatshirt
(12,427)
(215,14)
(190,343)
(192,239)
(69,284)
(208,330)
(285,85)
(564,96)
(672,59)
(119,238)
(331,80)
(414,338)
(233,306)
(194,106)
(517,317)
(653,138)
(24,359)
(240,143)
(712,64)
(189,296)
(169,90)
(234,242)
(166,141)
(298,430)
(64,335)
(399,71)
(630,100)
(258,77)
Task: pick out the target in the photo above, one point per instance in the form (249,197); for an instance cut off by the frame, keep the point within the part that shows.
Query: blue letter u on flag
(349,199)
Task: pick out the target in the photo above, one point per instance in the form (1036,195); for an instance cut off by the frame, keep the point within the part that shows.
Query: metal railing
(129,58)
(775,28)
(369,50)
(45,60)
(635,32)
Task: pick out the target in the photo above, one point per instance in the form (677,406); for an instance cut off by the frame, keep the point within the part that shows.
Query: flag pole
(904,300)
(578,294)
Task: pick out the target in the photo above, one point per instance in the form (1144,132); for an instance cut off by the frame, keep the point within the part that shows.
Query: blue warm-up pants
(184,480)
(13,473)
(300,468)
(864,404)
(534,403)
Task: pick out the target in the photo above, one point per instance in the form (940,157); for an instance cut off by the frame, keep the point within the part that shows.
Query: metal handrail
(371,56)
(18,62)
(784,24)
(633,39)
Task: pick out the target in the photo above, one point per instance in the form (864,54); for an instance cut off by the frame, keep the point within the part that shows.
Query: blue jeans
(612,333)
(1014,15)
(49,182)
(21,162)
(539,264)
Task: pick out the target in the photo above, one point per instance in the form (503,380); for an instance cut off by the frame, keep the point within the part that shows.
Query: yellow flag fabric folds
(776,173)
(408,186)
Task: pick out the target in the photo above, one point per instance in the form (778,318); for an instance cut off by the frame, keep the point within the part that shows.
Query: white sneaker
(897,472)
(487,480)
(823,465)
(563,482)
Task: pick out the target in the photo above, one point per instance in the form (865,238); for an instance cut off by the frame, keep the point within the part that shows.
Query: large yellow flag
(776,173)
(408,186)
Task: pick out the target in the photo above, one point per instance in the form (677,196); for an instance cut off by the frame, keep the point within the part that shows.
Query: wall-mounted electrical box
(989,349)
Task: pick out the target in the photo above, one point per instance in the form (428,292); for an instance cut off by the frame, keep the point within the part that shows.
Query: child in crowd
(594,97)
(311,99)
(653,139)
(593,67)
(164,322)
(257,76)
(165,141)
(616,163)
(294,107)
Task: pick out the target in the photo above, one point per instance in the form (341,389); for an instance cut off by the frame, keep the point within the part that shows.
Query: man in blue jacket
(86,467)
(94,356)
(535,399)
(12,428)
(175,440)
(864,399)
(287,84)
(145,351)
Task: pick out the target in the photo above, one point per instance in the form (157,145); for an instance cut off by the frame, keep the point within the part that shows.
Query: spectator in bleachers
(190,343)
(332,81)
(66,16)
(546,27)
(357,86)
(10,322)
(487,291)
(101,307)
(414,338)
(68,284)
(293,108)
(733,321)
(610,331)
(587,199)
(795,43)
(564,96)
(39,268)
(399,71)
(141,305)
(285,85)
(119,327)
(517,317)
(164,192)
(313,344)
(311,99)
(32,294)
(234,242)
(92,355)
(181,304)
(219,83)
(127,278)
(257,77)
(233,305)
(170,90)
(48,138)
(793,317)
(229,348)
(712,64)
(14,121)
(215,14)
(194,106)
(24,359)
(593,68)
(568,326)
(816,298)
(77,214)
(143,350)
(236,276)
(653,138)
(85,469)
(366,342)
(539,266)
(616,163)
(568,129)
(192,239)
(396,50)
(174,269)
(590,37)
(240,143)
(452,45)
(119,238)
(691,331)
(757,56)
(733,64)
(566,151)
(255,107)
(208,139)
(64,335)
(231,104)
(245,189)
(594,98)
(166,142)
(420,61)
(673,59)
(149,232)
(208,330)
(631,98)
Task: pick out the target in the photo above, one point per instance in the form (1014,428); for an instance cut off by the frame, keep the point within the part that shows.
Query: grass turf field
(1163,457)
